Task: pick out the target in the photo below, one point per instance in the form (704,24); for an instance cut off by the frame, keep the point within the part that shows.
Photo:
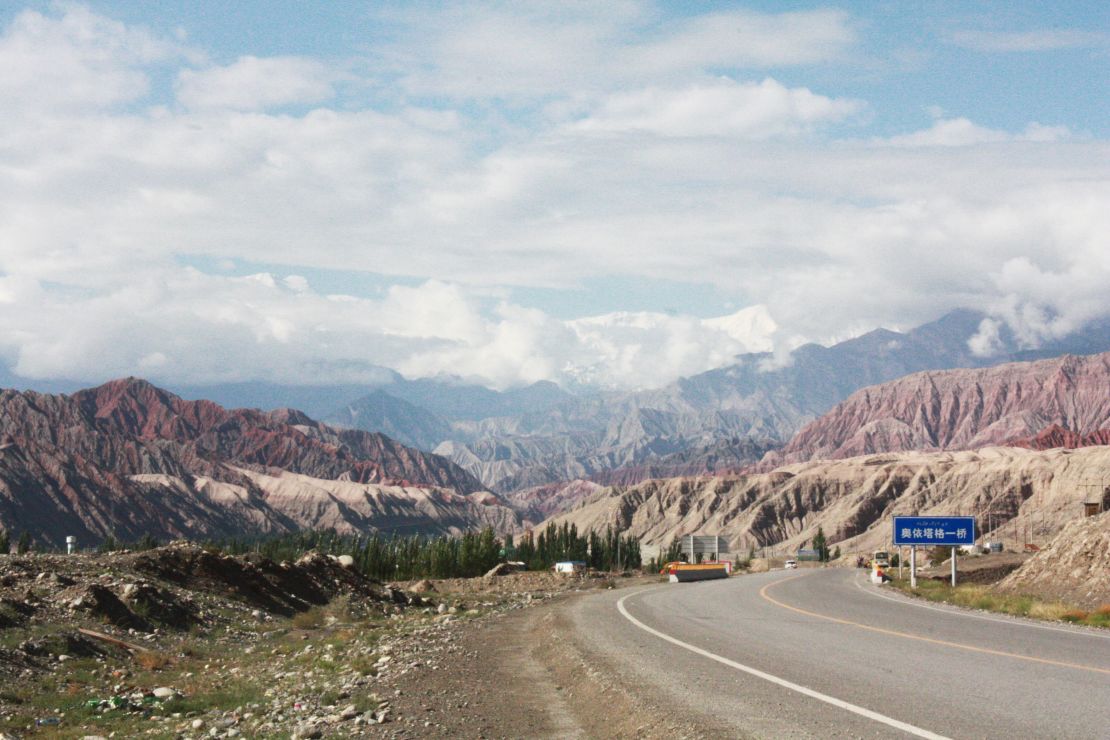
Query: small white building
(570,566)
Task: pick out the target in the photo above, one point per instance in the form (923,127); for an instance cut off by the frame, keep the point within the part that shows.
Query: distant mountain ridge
(394,417)
(1035,404)
(129,458)
(719,420)
(631,436)
(449,399)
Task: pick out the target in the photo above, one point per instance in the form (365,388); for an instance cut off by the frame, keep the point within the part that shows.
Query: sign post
(913,566)
(933,531)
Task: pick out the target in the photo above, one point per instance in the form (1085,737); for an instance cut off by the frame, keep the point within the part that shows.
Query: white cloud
(962,132)
(646,350)
(719,108)
(742,38)
(181,325)
(1021,41)
(99,203)
(988,339)
(74,61)
(539,50)
(252,83)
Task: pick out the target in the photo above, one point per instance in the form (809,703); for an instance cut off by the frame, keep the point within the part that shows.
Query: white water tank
(71,542)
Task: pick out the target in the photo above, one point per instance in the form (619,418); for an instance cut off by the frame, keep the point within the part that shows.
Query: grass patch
(1100,617)
(977,596)
(311,619)
(152,660)
(365,665)
(225,697)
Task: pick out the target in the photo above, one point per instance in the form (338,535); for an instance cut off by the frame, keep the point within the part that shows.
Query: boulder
(422,587)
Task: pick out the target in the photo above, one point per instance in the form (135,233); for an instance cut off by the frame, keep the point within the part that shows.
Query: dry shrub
(1103,611)
(1047,611)
(152,661)
(309,620)
(1074,615)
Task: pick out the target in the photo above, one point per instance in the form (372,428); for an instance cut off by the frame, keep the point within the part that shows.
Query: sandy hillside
(1017,495)
(1074,567)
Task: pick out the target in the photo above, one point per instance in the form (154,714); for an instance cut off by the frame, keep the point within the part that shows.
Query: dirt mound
(101,602)
(1074,567)
(64,643)
(422,587)
(279,588)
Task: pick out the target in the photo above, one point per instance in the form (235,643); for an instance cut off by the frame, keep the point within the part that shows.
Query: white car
(791,563)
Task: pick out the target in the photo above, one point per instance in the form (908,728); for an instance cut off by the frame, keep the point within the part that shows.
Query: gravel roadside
(525,673)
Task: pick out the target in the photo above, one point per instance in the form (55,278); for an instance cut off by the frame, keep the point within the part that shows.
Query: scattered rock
(307,732)
(100,602)
(499,570)
(422,587)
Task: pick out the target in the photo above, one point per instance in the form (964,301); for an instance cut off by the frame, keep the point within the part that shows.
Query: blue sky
(617,194)
(948,53)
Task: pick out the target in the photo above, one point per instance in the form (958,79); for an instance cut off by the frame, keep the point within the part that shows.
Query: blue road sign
(934,530)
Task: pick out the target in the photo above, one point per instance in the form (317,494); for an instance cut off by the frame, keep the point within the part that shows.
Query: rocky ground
(1074,567)
(179,642)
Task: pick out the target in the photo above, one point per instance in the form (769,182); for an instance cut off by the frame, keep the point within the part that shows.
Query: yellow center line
(922,638)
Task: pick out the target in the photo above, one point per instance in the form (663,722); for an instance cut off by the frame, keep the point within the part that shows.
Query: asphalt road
(823,653)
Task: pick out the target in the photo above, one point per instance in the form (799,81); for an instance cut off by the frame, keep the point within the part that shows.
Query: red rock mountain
(129,458)
(1060,402)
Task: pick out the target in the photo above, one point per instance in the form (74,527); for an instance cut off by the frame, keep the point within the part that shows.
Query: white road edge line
(839,703)
(963,612)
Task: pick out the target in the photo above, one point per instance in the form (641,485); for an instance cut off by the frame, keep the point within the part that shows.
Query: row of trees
(384,558)
(471,554)
(603,551)
(402,558)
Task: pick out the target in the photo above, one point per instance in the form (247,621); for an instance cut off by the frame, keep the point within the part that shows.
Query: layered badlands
(1064,401)
(130,459)
(1025,494)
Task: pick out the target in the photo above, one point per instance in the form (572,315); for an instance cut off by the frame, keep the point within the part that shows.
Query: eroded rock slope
(1026,495)
(129,459)
(1074,567)
(1059,402)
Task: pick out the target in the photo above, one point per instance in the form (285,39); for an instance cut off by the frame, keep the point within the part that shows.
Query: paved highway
(823,653)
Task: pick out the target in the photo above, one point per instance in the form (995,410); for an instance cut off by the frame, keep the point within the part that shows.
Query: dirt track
(524,675)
